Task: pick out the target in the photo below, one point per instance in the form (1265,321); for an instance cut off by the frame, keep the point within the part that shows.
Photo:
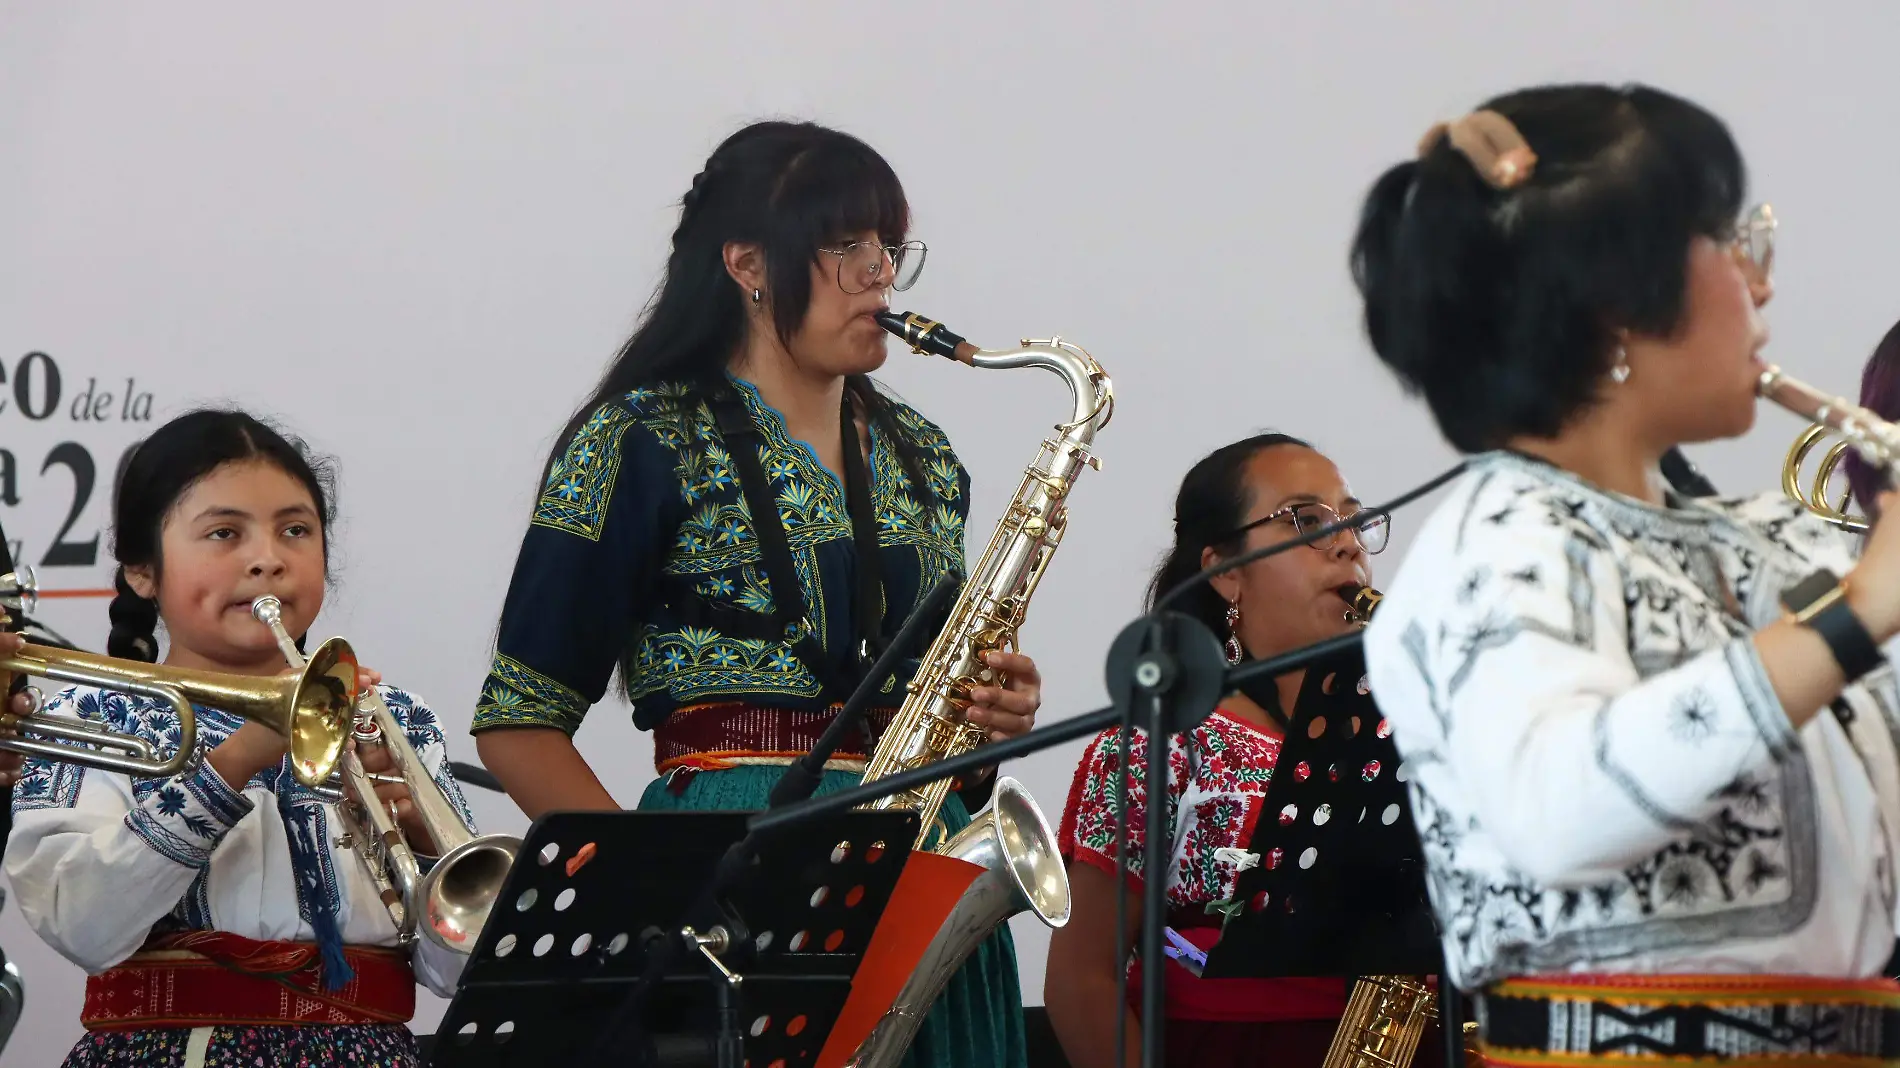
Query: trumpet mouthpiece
(267,610)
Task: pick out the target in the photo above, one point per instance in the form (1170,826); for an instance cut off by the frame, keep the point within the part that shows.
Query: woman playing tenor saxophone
(739,521)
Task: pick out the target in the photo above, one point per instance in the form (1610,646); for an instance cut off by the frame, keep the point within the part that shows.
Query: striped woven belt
(1740,1020)
(717,736)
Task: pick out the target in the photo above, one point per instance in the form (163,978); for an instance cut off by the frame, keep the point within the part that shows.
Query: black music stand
(1340,884)
(593,892)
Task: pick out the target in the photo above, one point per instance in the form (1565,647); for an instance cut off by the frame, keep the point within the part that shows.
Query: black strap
(789,620)
(871,614)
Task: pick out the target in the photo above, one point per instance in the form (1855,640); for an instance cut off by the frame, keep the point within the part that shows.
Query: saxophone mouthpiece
(927,336)
(1361,602)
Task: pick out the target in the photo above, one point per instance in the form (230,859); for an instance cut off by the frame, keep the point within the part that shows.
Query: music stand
(589,894)
(1340,886)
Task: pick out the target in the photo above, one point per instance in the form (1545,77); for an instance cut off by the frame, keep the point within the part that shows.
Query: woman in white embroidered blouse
(222,886)
(1622,754)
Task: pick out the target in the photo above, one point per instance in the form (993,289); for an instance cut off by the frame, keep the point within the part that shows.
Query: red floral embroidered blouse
(1217,781)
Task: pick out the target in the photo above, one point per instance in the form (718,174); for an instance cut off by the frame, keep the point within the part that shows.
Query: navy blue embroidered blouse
(644,508)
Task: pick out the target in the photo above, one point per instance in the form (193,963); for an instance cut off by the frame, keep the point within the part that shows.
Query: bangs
(834,189)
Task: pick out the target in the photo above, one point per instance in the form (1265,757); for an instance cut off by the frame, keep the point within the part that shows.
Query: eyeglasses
(1372,530)
(1754,242)
(861,264)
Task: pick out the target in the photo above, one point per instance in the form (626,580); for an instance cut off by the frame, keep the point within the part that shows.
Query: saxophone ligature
(448,904)
(1875,439)
(1361,602)
(1009,839)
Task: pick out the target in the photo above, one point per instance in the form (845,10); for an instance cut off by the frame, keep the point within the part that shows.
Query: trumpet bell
(1814,497)
(460,891)
(321,708)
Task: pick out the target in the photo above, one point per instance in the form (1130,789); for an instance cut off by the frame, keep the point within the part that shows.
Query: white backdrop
(416,233)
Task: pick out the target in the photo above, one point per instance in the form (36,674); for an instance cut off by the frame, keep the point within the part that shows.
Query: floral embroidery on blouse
(1217,783)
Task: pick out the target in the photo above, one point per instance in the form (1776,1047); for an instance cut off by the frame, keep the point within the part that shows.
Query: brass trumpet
(310,709)
(453,899)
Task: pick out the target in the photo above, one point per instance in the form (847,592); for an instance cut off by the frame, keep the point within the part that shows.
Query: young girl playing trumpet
(216,918)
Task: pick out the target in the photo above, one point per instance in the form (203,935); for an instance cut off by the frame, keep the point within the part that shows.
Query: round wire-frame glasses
(861,264)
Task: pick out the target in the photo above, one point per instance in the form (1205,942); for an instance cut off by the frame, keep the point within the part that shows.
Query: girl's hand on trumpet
(391,796)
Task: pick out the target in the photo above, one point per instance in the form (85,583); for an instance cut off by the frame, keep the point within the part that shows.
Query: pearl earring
(1620,371)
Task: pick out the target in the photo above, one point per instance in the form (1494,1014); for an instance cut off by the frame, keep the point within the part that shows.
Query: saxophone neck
(1090,386)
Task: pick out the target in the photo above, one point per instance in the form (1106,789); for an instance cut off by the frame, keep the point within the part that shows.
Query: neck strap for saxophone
(788,621)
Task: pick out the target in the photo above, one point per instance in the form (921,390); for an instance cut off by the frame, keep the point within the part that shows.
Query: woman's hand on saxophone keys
(1008,710)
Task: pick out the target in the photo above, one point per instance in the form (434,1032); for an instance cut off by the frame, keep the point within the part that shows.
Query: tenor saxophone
(1010,840)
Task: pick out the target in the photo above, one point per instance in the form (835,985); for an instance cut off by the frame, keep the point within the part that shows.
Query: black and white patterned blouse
(1603,778)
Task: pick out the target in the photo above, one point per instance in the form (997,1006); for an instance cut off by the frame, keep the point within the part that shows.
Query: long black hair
(159,472)
(1501,306)
(1212,504)
(791,188)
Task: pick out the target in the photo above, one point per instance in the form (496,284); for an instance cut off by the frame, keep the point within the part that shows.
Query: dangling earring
(1620,371)
(1235,654)
(757,296)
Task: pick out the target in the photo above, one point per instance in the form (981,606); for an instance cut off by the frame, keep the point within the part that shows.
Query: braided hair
(157,474)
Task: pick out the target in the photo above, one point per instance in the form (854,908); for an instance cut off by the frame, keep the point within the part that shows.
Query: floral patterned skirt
(244,1046)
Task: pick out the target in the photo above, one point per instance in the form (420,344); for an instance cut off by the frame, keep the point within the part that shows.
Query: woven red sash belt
(198,978)
(716,736)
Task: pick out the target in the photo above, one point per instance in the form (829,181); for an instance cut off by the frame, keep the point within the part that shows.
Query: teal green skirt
(978,1020)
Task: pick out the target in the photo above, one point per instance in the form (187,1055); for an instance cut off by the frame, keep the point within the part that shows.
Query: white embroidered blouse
(99,860)
(1602,776)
